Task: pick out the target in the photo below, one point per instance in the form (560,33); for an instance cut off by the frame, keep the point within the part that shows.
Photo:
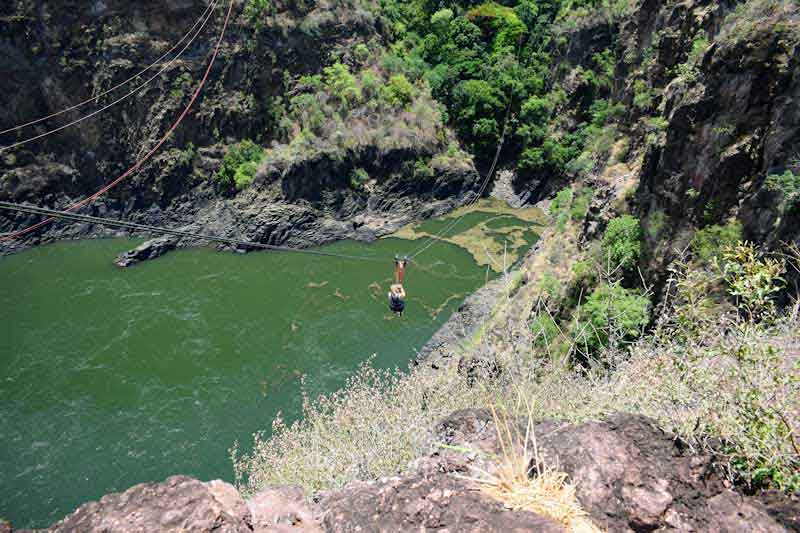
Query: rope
(76,217)
(450,226)
(121,84)
(149,154)
(118,100)
(437,237)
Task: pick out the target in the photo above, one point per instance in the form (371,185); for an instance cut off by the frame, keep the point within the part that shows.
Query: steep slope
(60,54)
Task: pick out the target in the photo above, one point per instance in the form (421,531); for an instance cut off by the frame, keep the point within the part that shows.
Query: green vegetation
(612,314)
(724,388)
(254,10)
(567,205)
(545,330)
(787,185)
(752,17)
(655,223)
(689,70)
(358,177)
(240,164)
(398,92)
(622,243)
(559,207)
(753,280)
(707,366)
(709,242)
(341,84)
(643,97)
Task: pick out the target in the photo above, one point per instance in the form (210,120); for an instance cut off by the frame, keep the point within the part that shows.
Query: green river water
(111,377)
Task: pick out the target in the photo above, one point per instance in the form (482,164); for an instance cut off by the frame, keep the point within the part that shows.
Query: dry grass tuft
(524,482)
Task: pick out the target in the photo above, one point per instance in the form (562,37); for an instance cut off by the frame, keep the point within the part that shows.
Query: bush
(622,243)
(545,330)
(787,185)
(709,242)
(244,174)
(239,164)
(752,279)
(580,204)
(642,97)
(559,207)
(254,10)
(611,314)
(358,177)
(399,92)
(689,70)
(342,84)
(751,17)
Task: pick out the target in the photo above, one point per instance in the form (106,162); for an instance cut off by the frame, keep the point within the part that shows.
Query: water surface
(111,377)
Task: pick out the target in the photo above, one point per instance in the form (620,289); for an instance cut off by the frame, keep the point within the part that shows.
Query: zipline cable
(118,100)
(149,154)
(76,217)
(433,239)
(121,84)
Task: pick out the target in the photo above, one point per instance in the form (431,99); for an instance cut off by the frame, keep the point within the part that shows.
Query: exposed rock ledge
(630,476)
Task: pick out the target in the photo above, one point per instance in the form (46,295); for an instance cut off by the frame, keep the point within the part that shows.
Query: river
(111,377)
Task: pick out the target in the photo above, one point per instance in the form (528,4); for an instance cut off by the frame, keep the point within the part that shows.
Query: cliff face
(709,96)
(59,53)
(731,117)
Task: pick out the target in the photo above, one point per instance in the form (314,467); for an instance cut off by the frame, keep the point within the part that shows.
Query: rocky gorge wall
(57,54)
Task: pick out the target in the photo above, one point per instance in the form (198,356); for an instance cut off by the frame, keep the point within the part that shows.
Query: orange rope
(149,154)
(115,102)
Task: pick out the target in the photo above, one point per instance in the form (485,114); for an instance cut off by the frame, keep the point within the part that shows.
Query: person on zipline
(397,295)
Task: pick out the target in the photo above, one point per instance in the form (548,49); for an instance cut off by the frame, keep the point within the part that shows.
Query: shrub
(545,330)
(254,10)
(584,274)
(580,204)
(709,242)
(622,243)
(689,70)
(244,174)
(358,177)
(399,92)
(750,17)
(361,52)
(550,286)
(559,207)
(342,84)
(441,18)
(502,20)
(239,164)
(655,222)
(642,96)
(787,185)
(611,314)
(752,279)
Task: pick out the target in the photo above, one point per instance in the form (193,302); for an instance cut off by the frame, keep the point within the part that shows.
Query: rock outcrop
(148,250)
(178,504)
(629,476)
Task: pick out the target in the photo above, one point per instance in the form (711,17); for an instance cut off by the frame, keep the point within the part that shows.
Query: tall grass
(729,386)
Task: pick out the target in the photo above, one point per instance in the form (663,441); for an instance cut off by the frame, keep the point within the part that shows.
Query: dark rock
(178,504)
(420,503)
(149,250)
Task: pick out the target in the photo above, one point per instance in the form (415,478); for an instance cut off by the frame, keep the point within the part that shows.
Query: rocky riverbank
(629,476)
